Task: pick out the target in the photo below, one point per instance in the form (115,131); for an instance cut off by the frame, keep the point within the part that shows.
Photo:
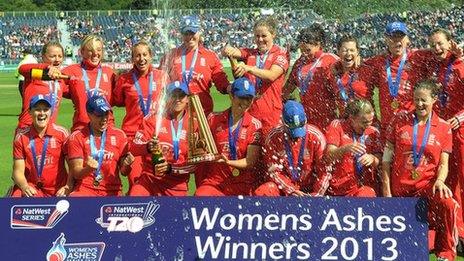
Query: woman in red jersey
(88,78)
(139,92)
(265,66)
(415,164)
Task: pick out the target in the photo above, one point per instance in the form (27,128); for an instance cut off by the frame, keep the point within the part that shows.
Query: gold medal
(39,184)
(415,174)
(395,104)
(96,183)
(235,172)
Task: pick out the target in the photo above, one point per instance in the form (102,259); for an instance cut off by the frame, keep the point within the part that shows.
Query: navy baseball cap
(396,27)
(242,87)
(190,24)
(294,118)
(177,85)
(39,98)
(97,105)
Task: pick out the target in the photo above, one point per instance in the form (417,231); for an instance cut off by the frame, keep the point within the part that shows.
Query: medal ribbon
(359,166)
(53,92)
(305,81)
(97,154)
(187,77)
(144,107)
(444,94)
(394,86)
(260,61)
(85,77)
(233,136)
(416,156)
(176,137)
(39,168)
(288,150)
(343,88)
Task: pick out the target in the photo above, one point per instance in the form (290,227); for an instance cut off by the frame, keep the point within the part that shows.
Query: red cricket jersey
(413,71)
(35,87)
(344,176)
(125,94)
(346,86)
(180,170)
(250,134)
(400,134)
(267,106)
(317,100)
(78,93)
(54,173)
(207,70)
(313,177)
(115,148)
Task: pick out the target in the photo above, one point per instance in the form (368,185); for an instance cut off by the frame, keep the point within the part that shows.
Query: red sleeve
(390,133)
(118,92)
(447,142)
(75,146)
(281,60)
(333,133)
(25,69)
(459,73)
(218,75)
(18,148)
(323,177)
(257,136)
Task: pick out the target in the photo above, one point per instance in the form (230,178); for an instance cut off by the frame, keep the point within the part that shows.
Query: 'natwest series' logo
(38,216)
(131,217)
(88,251)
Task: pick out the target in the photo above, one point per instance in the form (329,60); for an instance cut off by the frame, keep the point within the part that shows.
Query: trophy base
(203,158)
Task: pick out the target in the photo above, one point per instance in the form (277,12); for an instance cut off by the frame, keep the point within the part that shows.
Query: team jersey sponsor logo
(88,251)
(38,216)
(132,217)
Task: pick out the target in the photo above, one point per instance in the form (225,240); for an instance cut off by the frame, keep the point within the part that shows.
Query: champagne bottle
(157,155)
(42,74)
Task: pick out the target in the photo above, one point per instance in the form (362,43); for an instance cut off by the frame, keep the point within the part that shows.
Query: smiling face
(348,53)
(142,58)
(397,43)
(264,39)
(423,101)
(440,45)
(98,123)
(309,50)
(177,102)
(92,52)
(53,55)
(40,114)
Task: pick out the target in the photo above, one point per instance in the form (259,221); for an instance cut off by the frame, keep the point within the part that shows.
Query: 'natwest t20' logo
(131,217)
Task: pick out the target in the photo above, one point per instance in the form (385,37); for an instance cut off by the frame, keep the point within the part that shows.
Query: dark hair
(268,22)
(142,43)
(429,84)
(51,44)
(345,39)
(312,35)
(357,106)
(443,31)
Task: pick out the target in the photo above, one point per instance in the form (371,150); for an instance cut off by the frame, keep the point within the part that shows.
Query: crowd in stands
(121,31)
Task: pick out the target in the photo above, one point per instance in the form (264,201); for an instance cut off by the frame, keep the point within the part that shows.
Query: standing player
(265,66)
(294,155)
(449,70)
(354,149)
(395,73)
(52,57)
(39,153)
(238,137)
(346,79)
(97,153)
(89,78)
(415,164)
(195,65)
(139,91)
(308,74)
(168,177)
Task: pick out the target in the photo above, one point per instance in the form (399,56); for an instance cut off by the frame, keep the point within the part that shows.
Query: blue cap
(294,118)
(242,87)
(396,27)
(177,85)
(190,24)
(39,98)
(97,105)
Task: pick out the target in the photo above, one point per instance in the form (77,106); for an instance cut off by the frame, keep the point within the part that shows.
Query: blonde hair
(269,22)
(358,106)
(90,39)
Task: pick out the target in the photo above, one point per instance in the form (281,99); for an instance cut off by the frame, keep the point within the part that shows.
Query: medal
(39,184)
(97,154)
(415,174)
(417,154)
(394,85)
(235,172)
(96,183)
(39,166)
(395,104)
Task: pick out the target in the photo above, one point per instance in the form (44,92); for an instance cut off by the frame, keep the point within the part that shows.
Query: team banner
(191,228)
